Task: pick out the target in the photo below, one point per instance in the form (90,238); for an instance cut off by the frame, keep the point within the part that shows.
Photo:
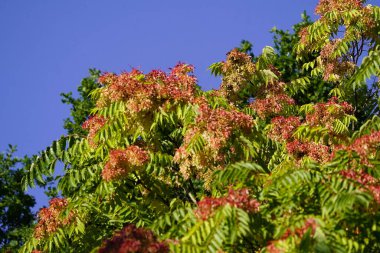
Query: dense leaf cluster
(16,218)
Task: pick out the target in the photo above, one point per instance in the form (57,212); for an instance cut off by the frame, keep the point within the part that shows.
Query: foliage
(81,107)
(15,208)
(343,35)
(297,73)
(303,88)
(245,168)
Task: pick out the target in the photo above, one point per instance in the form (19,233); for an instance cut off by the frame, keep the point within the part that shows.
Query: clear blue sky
(47,47)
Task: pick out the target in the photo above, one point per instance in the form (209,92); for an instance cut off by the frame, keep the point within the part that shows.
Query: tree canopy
(283,157)
(16,217)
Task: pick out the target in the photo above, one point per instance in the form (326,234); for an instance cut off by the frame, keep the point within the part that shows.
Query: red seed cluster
(93,125)
(299,233)
(271,89)
(325,6)
(366,146)
(318,152)
(324,114)
(271,106)
(143,93)
(360,177)
(122,162)
(283,127)
(334,67)
(271,248)
(366,180)
(49,220)
(216,127)
(239,199)
(220,123)
(303,34)
(271,100)
(132,239)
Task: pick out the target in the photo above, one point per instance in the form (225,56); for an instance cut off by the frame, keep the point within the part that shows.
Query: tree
(15,208)
(246,168)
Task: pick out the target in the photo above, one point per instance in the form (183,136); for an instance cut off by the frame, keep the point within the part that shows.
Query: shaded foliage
(16,217)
